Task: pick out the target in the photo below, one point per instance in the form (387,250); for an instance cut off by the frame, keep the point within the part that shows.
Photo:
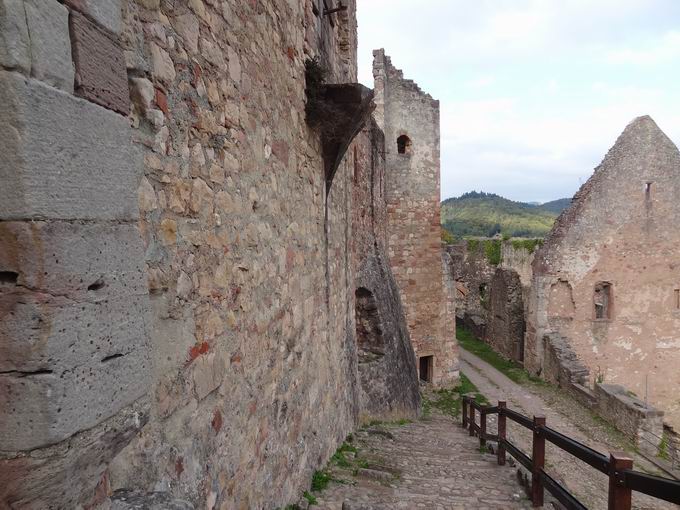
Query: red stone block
(101,75)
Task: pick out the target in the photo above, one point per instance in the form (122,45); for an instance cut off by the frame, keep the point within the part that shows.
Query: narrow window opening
(404,145)
(425,368)
(648,190)
(602,300)
(677,299)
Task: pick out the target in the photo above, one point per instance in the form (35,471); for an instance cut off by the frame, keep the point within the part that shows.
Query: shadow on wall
(387,363)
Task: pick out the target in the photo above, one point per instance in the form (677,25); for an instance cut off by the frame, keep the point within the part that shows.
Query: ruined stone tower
(410,120)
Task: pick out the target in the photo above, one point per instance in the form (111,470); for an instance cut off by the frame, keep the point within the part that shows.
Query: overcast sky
(533,93)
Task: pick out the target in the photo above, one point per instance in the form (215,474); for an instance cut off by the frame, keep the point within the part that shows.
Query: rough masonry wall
(74,304)
(254,381)
(621,229)
(506,324)
(387,363)
(491,299)
(413,225)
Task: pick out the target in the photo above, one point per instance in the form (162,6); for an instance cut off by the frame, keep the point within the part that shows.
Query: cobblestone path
(589,485)
(431,464)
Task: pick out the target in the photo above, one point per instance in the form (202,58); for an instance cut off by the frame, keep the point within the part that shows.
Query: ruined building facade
(184,305)
(491,295)
(410,121)
(605,293)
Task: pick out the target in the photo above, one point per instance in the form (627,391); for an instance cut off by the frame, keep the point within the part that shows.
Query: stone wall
(505,323)
(250,270)
(75,315)
(490,300)
(410,120)
(640,422)
(618,242)
(177,275)
(387,364)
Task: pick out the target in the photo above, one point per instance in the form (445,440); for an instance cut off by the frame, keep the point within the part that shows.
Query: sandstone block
(74,324)
(101,76)
(50,43)
(106,13)
(73,160)
(74,260)
(163,69)
(65,477)
(15,45)
(69,364)
(208,372)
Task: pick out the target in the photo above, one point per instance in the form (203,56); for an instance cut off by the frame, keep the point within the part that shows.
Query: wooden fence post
(538,462)
(465,411)
(501,433)
(471,419)
(619,494)
(482,427)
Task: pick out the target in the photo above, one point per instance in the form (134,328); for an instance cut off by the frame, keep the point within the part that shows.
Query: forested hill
(486,214)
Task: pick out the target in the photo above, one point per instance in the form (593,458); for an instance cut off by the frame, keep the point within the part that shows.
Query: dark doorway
(426,363)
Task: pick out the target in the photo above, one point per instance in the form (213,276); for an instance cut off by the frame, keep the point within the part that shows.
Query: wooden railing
(619,467)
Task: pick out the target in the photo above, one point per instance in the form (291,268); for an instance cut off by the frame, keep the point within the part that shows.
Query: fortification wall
(171,258)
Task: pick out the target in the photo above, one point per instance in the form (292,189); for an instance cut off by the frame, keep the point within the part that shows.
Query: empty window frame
(602,299)
(404,145)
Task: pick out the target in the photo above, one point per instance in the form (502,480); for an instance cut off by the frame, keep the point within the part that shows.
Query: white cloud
(663,49)
(533,92)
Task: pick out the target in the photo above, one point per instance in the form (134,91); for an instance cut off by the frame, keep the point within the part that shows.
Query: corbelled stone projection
(606,278)
(410,121)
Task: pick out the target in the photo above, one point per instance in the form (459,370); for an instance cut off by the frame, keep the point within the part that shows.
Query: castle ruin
(605,280)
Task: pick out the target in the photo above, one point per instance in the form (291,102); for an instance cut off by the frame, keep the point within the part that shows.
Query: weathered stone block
(15,44)
(69,365)
(106,13)
(50,43)
(73,160)
(101,76)
(72,259)
(65,476)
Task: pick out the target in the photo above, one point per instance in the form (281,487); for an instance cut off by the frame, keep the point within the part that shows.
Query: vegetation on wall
(527,244)
(447,236)
(487,214)
(492,249)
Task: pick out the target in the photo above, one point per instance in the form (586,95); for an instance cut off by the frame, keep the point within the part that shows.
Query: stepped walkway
(431,464)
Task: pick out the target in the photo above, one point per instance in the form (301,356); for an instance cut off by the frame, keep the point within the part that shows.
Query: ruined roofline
(569,216)
(382,62)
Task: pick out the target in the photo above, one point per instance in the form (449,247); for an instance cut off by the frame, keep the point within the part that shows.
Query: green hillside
(556,206)
(486,214)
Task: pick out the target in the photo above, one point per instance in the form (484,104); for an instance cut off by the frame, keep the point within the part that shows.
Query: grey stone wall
(74,304)
(505,323)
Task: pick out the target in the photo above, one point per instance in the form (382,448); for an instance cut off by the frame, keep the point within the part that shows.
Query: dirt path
(431,464)
(565,416)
